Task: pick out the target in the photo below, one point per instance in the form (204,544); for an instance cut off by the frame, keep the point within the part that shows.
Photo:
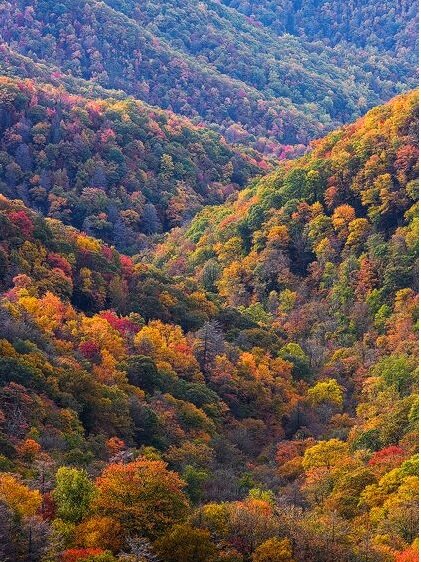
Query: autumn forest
(208,281)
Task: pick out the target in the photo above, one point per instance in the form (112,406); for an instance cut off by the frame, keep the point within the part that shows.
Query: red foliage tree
(23,222)
(75,554)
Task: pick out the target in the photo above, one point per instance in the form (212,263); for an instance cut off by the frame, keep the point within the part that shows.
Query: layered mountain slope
(388,27)
(115,168)
(276,66)
(254,87)
(367,170)
(274,371)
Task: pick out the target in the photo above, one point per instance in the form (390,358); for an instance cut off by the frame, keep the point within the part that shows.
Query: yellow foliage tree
(273,550)
(327,391)
(102,532)
(168,346)
(325,454)
(23,501)
(143,496)
(98,330)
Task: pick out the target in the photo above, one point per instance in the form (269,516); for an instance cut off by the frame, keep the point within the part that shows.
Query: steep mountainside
(357,169)
(248,397)
(115,168)
(206,61)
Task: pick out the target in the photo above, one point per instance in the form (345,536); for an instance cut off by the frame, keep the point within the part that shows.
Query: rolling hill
(116,168)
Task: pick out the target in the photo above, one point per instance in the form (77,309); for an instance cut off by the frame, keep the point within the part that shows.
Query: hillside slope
(252,86)
(118,169)
(358,167)
(387,27)
(253,396)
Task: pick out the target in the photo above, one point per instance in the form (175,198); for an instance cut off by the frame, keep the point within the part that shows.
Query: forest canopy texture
(208,281)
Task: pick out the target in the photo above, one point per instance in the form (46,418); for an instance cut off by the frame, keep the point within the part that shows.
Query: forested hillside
(208,62)
(388,27)
(117,169)
(208,318)
(247,392)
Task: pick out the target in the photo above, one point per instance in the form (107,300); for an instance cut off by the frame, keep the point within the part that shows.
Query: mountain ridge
(127,166)
(238,110)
